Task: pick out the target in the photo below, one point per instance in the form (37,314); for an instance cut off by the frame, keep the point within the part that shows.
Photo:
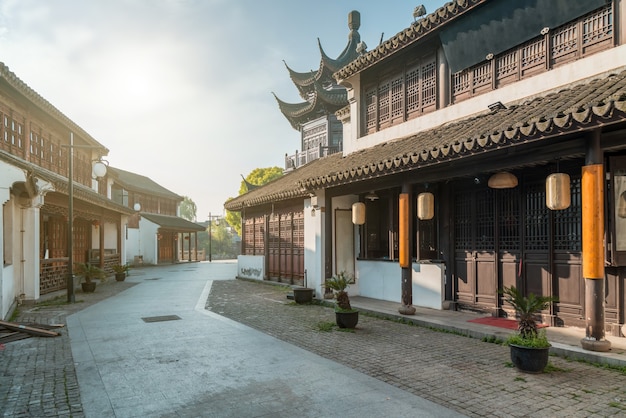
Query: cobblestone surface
(37,376)
(465,374)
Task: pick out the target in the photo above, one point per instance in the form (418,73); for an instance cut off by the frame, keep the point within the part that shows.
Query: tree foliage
(257,177)
(188,209)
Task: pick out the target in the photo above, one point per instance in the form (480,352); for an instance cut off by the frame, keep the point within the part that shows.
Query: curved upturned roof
(318,88)
(322,102)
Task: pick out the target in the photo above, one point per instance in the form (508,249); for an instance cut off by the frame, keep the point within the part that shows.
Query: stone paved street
(465,374)
(37,376)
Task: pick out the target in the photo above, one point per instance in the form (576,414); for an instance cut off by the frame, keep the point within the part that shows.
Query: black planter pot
(120,277)
(302,295)
(528,359)
(347,319)
(88,287)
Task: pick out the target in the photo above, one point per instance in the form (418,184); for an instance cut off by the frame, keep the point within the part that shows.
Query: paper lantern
(558,191)
(425,206)
(502,180)
(358,213)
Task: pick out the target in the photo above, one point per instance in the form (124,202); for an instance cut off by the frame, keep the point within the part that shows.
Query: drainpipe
(404,240)
(593,245)
(21,296)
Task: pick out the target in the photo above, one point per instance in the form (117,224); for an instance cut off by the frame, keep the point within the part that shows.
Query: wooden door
(475,255)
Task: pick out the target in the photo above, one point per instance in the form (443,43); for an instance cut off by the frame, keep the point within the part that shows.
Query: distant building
(155,233)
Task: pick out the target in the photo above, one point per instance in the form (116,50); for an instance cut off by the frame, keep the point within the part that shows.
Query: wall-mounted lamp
(137,207)
(496,106)
(558,195)
(99,168)
(425,206)
(358,213)
(502,180)
(371,196)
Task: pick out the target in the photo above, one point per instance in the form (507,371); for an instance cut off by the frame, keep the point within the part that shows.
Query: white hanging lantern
(558,195)
(425,206)
(358,213)
(502,180)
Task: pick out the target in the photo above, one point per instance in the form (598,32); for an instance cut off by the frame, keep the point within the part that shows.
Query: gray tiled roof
(139,183)
(173,222)
(583,106)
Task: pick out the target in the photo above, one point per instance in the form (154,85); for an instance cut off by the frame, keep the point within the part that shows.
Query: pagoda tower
(321,133)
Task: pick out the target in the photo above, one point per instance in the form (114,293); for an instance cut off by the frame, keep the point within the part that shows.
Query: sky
(180,91)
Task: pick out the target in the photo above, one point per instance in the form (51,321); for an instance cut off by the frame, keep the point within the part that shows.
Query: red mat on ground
(500,322)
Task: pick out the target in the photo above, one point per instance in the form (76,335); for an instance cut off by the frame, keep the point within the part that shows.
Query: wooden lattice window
(597,27)
(533,54)
(485,239)
(259,235)
(397,98)
(568,222)
(370,109)
(509,219)
(463,220)
(383,103)
(413,89)
(565,42)
(429,84)
(536,218)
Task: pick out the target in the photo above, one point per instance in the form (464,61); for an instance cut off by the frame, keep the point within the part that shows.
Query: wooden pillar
(405,226)
(592,188)
(101,241)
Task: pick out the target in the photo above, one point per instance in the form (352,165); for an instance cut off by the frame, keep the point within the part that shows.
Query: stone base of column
(407,310)
(592,344)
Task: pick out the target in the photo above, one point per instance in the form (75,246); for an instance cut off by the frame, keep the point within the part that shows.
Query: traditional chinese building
(484,147)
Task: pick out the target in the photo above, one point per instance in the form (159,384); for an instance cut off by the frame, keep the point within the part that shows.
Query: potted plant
(345,316)
(529,348)
(121,270)
(89,272)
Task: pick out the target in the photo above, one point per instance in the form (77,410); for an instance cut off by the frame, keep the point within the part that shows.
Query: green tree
(257,177)
(188,209)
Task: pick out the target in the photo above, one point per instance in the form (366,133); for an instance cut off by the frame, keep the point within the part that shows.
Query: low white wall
(378,280)
(382,280)
(251,266)
(428,284)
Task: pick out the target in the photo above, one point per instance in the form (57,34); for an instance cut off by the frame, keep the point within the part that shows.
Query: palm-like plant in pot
(121,270)
(529,347)
(345,316)
(89,272)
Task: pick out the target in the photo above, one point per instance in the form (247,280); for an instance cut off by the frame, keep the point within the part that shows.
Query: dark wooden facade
(279,236)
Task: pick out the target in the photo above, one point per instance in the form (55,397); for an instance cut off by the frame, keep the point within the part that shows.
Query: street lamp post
(217,222)
(99,170)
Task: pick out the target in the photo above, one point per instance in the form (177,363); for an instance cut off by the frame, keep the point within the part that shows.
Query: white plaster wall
(110,236)
(148,241)
(314,247)
(613,60)
(378,280)
(345,203)
(141,242)
(29,274)
(428,284)
(251,266)
(8,175)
